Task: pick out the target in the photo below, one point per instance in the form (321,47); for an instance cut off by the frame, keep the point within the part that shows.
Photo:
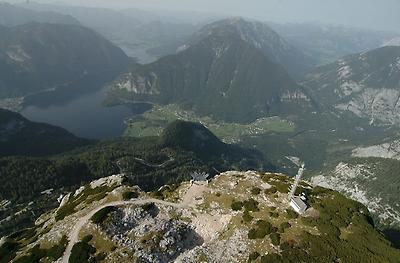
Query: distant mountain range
(327,43)
(100,19)
(11,15)
(366,85)
(220,74)
(39,56)
(135,31)
(151,34)
(19,136)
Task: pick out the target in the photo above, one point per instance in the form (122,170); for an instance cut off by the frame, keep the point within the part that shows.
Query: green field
(154,121)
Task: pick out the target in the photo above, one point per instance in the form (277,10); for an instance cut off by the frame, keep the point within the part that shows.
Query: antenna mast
(296,182)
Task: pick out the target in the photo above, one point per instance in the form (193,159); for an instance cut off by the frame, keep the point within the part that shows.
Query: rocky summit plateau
(233,217)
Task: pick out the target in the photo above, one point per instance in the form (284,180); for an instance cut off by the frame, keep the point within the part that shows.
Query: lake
(81,113)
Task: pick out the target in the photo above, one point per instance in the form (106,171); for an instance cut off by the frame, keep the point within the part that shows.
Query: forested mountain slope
(221,75)
(19,136)
(39,56)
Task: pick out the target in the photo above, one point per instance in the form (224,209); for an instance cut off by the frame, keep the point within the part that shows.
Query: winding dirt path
(73,236)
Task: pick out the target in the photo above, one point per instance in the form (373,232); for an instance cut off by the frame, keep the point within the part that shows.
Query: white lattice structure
(296,182)
(296,202)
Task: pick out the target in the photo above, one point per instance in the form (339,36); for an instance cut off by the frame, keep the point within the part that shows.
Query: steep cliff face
(366,84)
(389,149)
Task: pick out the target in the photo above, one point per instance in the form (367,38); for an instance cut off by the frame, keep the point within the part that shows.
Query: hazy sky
(375,14)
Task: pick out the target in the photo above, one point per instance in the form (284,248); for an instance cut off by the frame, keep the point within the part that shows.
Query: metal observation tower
(297,202)
(296,182)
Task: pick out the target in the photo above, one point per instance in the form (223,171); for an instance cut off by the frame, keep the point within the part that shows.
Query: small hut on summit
(298,205)
(200,178)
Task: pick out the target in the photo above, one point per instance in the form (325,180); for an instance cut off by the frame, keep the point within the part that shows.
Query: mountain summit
(233,217)
(264,38)
(221,75)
